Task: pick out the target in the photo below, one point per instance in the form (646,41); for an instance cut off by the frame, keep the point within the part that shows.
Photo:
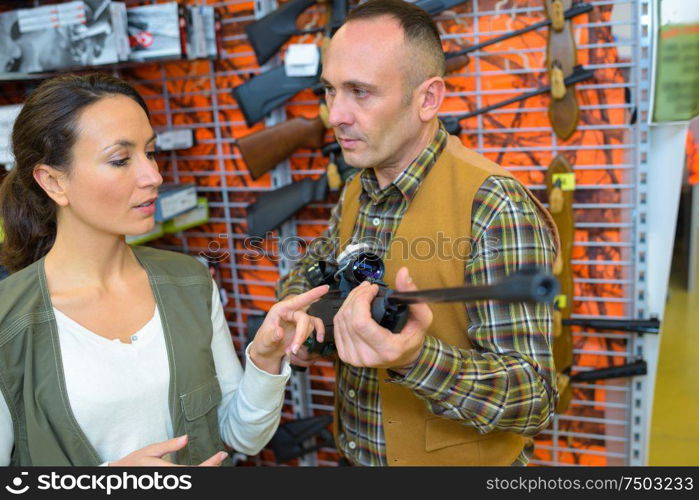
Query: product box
(203,32)
(139,239)
(156,32)
(173,139)
(59,36)
(173,200)
(7,120)
(120,23)
(194,217)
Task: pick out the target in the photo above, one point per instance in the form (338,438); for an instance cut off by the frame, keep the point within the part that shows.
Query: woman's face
(113,180)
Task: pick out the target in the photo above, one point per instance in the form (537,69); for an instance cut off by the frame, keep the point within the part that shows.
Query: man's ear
(53,182)
(432,93)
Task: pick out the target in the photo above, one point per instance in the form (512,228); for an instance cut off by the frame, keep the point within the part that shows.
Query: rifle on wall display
(273,208)
(264,149)
(639,326)
(579,74)
(633,369)
(269,33)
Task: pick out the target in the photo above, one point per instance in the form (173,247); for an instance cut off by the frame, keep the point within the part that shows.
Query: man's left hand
(361,341)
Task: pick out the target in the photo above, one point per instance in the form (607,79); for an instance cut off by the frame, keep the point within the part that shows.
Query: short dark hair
(45,132)
(419,30)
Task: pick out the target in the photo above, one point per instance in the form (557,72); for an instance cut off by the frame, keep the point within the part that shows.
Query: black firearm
(625,325)
(451,122)
(638,367)
(390,307)
(292,439)
(269,33)
(273,208)
(564,380)
(267,91)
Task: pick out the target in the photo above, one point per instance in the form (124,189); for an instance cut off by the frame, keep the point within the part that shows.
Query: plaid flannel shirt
(507,380)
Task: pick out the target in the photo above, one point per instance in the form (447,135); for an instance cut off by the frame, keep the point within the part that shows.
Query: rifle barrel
(575,10)
(639,367)
(522,286)
(626,325)
(580,74)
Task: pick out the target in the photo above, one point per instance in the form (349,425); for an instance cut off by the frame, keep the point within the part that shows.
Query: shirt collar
(408,181)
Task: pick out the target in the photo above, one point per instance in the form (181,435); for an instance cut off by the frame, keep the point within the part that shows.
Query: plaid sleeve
(295,281)
(506,381)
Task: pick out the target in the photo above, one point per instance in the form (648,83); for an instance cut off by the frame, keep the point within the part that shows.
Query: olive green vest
(31,372)
(441,207)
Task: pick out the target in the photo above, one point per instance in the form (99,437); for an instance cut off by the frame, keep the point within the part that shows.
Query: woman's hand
(286,327)
(152,455)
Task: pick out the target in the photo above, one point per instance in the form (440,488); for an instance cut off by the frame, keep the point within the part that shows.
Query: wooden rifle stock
(456,62)
(264,149)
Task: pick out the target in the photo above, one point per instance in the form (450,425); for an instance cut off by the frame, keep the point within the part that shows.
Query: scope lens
(367,266)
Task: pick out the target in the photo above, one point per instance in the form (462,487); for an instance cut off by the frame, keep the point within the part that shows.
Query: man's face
(364,74)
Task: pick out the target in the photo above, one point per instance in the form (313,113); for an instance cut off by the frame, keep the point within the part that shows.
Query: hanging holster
(560,185)
(561,58)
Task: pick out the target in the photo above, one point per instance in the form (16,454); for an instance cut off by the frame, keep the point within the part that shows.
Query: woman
(111,354)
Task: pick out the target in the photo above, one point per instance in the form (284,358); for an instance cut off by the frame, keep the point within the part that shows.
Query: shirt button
(352,445)
(351,393)
(134,338)
(376,221)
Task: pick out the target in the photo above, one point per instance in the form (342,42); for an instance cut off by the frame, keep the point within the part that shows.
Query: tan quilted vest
(414,436)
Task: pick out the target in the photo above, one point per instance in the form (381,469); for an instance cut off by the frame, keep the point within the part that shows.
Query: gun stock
(290,440)
(263,150)
(267,91)
(624,325)
(456,62)
(338,13)
(269,33)
(273,208)
(253,324)
(434,7)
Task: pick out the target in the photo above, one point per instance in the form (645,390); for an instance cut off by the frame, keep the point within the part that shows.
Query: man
(461,384)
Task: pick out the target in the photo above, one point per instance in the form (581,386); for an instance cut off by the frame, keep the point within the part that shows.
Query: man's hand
(152,455)
(285,328)
(361,341)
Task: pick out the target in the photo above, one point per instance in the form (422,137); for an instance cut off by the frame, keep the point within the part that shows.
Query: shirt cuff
(262,389)
(437,363)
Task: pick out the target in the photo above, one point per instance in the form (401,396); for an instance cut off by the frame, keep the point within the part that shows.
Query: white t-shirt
(119,392)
